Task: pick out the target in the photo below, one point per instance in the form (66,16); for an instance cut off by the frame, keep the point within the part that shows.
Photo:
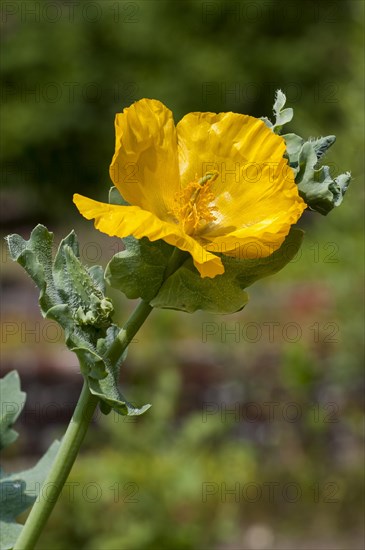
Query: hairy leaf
(316,186)
(17,491)
(12,403)
(187,291)
(138,271)
(74,296)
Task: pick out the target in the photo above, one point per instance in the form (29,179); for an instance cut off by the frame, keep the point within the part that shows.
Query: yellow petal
(257,199)
(208,140)
(257,240)
(145,166)
(121,221)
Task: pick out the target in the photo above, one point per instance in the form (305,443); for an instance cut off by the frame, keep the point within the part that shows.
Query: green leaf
(280,100)
(107,389)
(267,122)
(139,270)
(35,256)
(59,264)
(74,296)
(317,187)
(294,145)
(186,290)
(282,116)
(12,402)
(116,198)
(91,364)
(322,144)
(17,491)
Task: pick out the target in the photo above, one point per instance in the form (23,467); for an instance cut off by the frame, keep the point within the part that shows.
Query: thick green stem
(72,440)
(177,258)
(79,424)
(61,468)
(141,313)
(129,330)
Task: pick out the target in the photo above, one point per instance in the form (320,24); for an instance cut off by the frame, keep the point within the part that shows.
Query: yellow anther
(195,208)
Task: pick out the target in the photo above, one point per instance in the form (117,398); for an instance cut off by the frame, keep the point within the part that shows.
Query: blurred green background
(254,440)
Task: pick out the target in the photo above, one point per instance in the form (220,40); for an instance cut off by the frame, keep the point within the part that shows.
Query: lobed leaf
(17,491)
(74,297)
(139,269)
(282,116)
(187,291)
(12,402)
(316,186)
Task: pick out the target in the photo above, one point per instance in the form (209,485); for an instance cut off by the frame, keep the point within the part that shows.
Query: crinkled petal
(144,167)
(121,221)
(256,195)
(259,239)
(220,141)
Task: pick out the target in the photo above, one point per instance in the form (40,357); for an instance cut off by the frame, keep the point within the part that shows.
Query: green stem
(141,313)
(73,438)
(61,468)
(129,330)
(79,424)
(177,258)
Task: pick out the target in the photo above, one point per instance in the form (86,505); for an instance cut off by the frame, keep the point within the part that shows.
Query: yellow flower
(212,183)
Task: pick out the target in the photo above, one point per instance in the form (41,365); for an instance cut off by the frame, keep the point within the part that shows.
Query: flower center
(194,207)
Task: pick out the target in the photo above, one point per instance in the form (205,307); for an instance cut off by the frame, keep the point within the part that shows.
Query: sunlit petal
(145,167)
(217,183)
(255,193)
(121,221)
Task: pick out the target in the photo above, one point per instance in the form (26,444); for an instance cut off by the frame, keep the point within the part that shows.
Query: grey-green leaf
(317,187)
(322,144)
(73,295)
(138,271)
(280,100)
(186,290)
(294,145)
(12,403)
(282,116)
(116,198)
(35,255)
(18,492)
(108,390)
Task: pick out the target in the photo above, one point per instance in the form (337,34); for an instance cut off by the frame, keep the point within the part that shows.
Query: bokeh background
(254,440)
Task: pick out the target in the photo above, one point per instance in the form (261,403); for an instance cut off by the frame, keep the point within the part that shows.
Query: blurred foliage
(196,55)
(204,480)
(66,72)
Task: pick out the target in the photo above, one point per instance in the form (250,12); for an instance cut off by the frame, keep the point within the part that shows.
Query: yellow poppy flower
(212,183)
